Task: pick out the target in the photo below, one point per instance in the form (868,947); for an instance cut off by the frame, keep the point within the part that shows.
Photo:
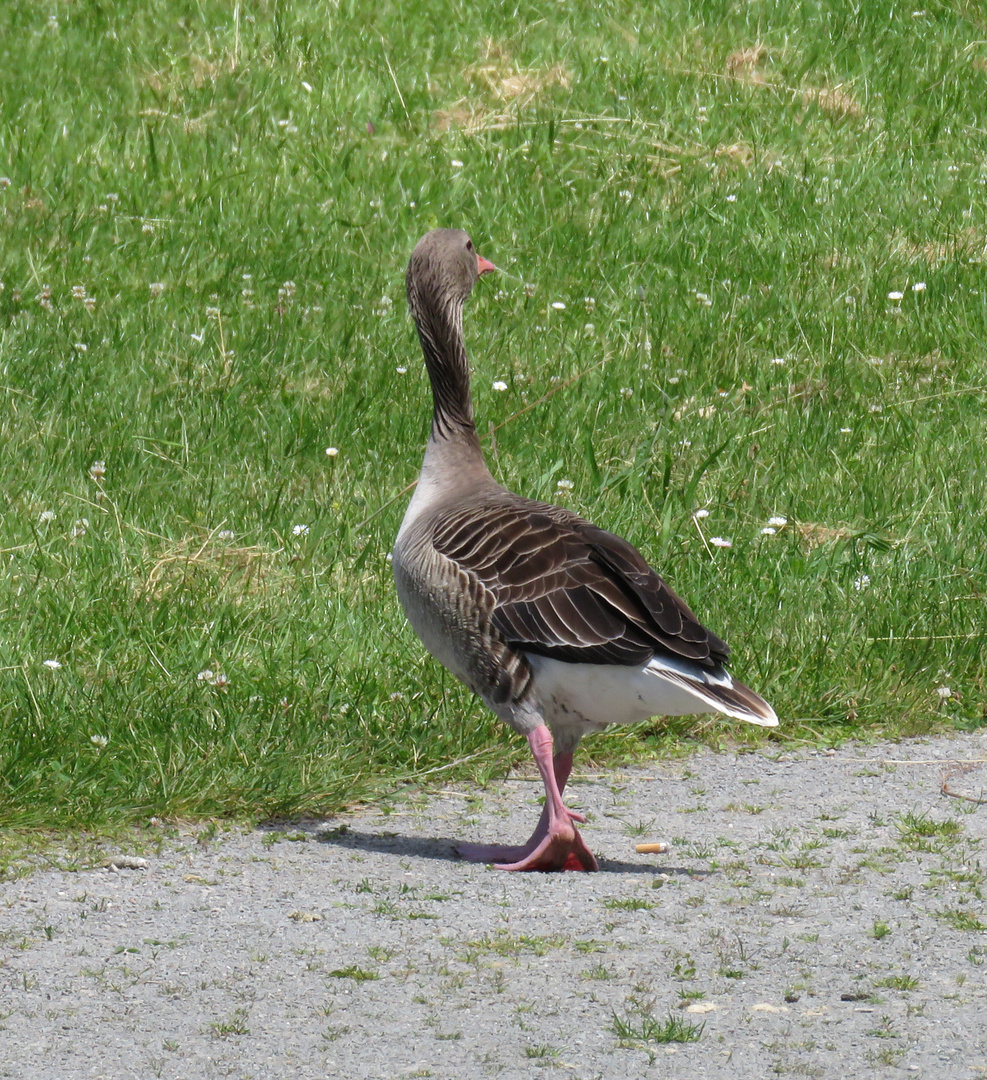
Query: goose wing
(557,586)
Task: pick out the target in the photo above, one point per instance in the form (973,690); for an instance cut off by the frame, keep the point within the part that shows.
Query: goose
(560,627)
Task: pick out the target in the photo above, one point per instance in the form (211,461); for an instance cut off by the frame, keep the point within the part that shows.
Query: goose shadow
(443,849)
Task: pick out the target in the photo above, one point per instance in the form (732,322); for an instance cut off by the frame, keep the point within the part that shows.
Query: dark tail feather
(726,696)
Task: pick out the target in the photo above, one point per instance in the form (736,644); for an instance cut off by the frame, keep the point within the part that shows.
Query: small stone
(124,862)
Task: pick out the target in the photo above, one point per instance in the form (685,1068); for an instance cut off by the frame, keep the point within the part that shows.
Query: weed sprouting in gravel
(919,832)
(629,903)
(962,920)
(234,1024)
(359,974)
(899,982)
(590,945)
(635,1030)
(540,1053)
(599,972)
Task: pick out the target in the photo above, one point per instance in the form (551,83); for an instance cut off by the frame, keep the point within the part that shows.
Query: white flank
(601,694)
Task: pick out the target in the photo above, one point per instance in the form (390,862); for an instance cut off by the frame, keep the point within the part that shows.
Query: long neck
(440,330)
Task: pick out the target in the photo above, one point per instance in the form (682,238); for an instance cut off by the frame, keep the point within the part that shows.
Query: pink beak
(483,266)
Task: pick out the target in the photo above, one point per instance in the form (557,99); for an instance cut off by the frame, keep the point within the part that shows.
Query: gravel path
(817,915)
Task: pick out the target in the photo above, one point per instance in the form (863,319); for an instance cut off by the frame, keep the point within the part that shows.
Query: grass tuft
(647,1029)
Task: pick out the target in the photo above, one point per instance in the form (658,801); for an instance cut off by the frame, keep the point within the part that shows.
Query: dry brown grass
(191,125)
(205,559)
(967,244)
(815,534)
(743,64)
(470,117)
(191,73)
(511,87)
(740,153)
(836,100)
(507,81)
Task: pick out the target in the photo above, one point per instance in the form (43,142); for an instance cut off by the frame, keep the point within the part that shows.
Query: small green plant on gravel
(629,903)
(599,972)
(888,1056)
(684,967)
(899,982)
(507,944)
(234,1024)
(590,945)
(884,1030)
(918,832)
(800,861)
(635,1030)
(353,972)
(962,920)
(541,1052)
(880,929)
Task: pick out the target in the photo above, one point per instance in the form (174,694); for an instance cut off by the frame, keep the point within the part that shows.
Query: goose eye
(469,245)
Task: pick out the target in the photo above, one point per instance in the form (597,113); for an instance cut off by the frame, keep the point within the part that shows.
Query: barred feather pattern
(562,588)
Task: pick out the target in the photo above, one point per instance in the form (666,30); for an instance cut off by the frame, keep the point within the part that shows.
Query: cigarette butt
(651,849)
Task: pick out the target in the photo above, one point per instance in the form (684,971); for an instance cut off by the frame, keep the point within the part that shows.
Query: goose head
(442,271)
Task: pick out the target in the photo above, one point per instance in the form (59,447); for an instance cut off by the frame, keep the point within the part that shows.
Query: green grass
(205,214)
(354,972)
(647,1029)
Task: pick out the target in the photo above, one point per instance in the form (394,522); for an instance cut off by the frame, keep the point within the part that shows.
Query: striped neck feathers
(440,330)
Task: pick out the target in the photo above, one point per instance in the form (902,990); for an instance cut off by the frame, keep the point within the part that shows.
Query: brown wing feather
(565,589)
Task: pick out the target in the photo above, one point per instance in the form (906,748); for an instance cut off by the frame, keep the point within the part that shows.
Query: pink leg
(555,844)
